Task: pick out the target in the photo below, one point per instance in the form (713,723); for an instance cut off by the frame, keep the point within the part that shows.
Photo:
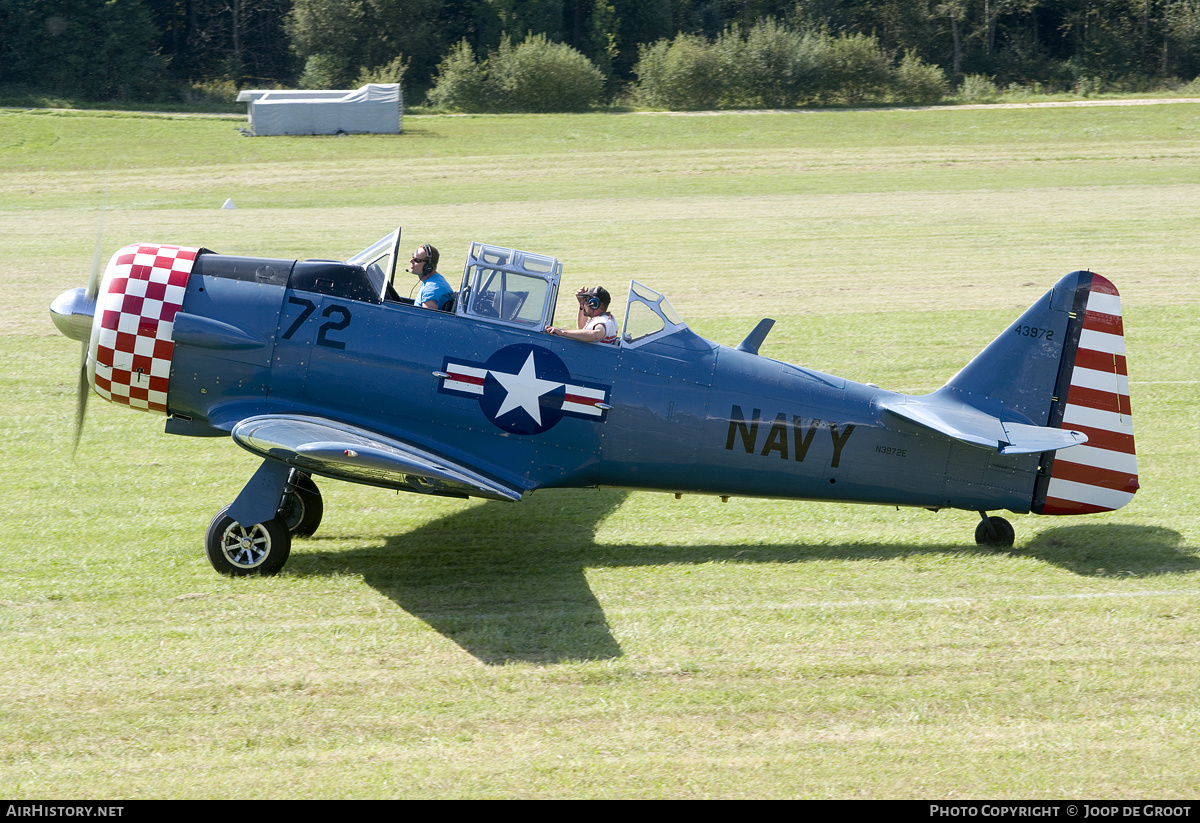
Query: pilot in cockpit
(435,292)
(595,323)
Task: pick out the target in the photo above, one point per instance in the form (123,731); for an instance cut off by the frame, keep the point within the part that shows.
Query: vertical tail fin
(1092,396)
(1062,365)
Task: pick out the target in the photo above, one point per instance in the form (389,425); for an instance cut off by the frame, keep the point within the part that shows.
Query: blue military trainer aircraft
(321,369)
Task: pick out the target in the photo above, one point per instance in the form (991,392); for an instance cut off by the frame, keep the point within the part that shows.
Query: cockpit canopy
(519,289)
(515,288)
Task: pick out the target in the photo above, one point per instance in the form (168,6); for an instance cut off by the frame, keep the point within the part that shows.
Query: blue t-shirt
(435,288)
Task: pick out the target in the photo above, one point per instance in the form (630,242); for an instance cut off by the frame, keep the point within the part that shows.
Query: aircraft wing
(969,425)
(327,447)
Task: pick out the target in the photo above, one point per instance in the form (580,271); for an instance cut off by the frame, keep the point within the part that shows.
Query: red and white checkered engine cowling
(132,345)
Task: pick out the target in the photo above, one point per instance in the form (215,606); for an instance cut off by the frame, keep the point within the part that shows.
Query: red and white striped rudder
(1093,397)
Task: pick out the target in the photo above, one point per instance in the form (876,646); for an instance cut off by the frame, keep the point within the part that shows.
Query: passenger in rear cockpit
(435,292)
(595,323)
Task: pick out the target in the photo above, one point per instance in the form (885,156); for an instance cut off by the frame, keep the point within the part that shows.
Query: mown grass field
(604,643)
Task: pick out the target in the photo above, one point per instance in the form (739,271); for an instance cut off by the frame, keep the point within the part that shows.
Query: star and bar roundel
(524,389)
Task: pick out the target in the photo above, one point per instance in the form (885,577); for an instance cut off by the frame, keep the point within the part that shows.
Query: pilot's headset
(431,260)
(592,297)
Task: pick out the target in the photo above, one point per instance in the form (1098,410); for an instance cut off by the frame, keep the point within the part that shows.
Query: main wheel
(996,532)
(302,507)
(241,551)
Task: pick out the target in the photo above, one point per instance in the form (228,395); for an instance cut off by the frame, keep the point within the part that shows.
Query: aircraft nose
(72,314)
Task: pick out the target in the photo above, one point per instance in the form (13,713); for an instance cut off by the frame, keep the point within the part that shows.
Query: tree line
(164,50)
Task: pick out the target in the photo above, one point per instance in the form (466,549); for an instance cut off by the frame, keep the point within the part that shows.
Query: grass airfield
(603,643)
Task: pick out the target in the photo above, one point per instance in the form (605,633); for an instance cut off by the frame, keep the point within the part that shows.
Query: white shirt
(607,323)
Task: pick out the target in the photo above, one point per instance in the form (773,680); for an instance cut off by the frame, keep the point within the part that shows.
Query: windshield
(649,315)
(379,259)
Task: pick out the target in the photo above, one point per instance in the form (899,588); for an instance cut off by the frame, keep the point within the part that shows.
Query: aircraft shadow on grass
(508,583)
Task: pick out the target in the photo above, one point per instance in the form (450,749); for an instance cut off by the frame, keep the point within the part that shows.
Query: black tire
(235,550)
(1000,534)
(302,507)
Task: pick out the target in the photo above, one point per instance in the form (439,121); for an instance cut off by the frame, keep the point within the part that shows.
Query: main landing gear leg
(994,531)
(302,507)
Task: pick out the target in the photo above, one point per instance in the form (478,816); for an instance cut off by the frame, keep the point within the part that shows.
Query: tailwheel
(241,551)
(302,506)
(994,531)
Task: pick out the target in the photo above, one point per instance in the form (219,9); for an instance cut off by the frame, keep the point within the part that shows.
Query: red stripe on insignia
(580,400)
(466,378)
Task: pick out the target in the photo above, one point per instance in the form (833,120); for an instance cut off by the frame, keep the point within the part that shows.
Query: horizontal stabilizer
(334,449)
(1025,439)
(969,425)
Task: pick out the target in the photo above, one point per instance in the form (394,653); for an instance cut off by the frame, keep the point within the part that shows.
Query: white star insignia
(525,390)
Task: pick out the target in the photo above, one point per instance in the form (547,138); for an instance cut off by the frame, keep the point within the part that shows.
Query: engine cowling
(131,346)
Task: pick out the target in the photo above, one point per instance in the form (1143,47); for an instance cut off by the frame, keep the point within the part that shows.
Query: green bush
(324,71)
(855,70)
(977,88)
(772,66)
(533,76)
(651,74)
(460,84)
(684,74)
(392,72)
(540,76)
(916,81)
